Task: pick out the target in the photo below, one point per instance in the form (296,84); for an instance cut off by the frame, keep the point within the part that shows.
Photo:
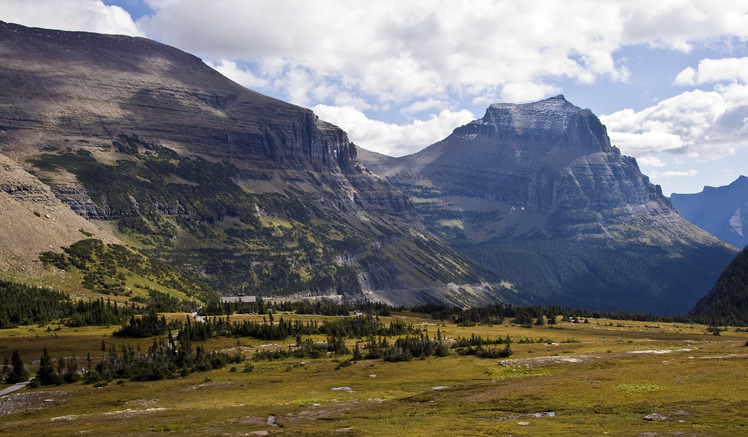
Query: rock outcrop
(78,89)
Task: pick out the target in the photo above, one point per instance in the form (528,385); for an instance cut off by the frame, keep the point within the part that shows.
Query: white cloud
(392,139)
(677,24)
(239,75)
(393,52)
(425,105)
(715,70)
(698,124)
(526,92)
(82,15)
(674,174)
(650,161)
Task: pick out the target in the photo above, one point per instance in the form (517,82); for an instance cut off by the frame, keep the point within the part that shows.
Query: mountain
(147,145)
(727,302)
(721,211)
(536,193)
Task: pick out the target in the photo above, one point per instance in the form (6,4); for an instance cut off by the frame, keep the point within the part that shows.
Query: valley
(589,378)
(520,276)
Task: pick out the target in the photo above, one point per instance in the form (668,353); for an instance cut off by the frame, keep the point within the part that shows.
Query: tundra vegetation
(305,367)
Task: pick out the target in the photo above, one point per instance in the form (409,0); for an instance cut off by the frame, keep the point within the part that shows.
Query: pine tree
(357,356)
(18,370)
(46,375)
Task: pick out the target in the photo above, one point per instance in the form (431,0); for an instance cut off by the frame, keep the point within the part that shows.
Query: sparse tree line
(345,327)
(403,348)
(533,315)
(25,305)
(164,359)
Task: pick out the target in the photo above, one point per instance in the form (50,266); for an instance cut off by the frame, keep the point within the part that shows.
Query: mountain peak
(535,191)
(553,126)
(555,103)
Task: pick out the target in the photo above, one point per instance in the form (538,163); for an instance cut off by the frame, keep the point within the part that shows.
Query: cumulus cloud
(677,24)
(651,161)
(426,47)
(715,70)
(697,124)
(392,139)
(82,15)
(394,51)
(422,55)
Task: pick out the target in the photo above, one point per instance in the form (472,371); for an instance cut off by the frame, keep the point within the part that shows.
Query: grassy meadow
(602,377)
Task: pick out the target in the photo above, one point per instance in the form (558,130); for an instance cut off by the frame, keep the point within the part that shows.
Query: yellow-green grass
(603,379)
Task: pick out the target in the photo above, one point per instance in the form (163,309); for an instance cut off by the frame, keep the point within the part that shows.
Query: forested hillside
(727,302)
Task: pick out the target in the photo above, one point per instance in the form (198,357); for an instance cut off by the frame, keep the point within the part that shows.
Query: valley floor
(605,377)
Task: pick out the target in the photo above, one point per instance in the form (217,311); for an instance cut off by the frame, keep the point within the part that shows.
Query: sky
(669,78)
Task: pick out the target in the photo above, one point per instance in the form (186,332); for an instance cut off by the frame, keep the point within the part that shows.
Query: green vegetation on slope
(190,213)
(727,302)
(24,305)
(114,269)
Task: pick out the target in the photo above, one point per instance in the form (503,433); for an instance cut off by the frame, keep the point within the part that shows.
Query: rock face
(537,193)
(546,169)
(721,211)
(244,191)
(553,156)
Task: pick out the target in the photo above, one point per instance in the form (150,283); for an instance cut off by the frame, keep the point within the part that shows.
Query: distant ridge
(721,211)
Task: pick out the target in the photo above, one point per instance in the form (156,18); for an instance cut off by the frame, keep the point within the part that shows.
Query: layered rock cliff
(537,192)
(63,89)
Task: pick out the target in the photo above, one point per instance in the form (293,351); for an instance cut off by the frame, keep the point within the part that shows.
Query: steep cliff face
(541,167)
(244,191)
(537,192)
(721,211)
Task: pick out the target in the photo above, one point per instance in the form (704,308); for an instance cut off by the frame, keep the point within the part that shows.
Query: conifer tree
(18,370)
(46,375)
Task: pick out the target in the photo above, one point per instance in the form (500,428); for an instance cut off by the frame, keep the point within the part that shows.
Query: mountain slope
(721,211)
(727,301)
(34,220)
(244,191)
(537,192)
